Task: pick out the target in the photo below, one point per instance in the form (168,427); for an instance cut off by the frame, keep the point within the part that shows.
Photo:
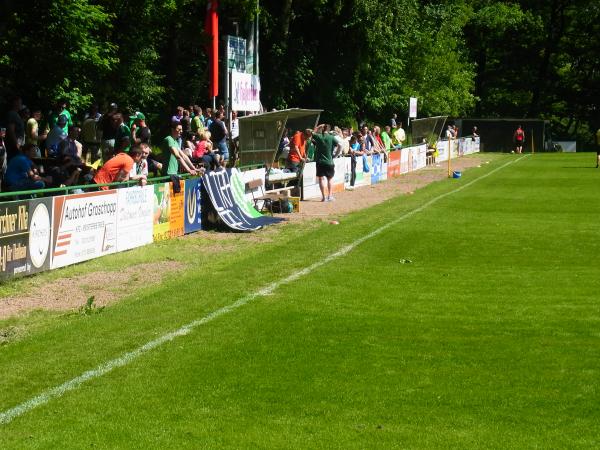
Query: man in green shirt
(324,145)
(173,154)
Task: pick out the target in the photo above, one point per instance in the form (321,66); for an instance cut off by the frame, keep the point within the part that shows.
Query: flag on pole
(211,28)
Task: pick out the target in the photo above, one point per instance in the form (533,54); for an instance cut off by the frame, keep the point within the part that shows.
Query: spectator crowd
(58,149)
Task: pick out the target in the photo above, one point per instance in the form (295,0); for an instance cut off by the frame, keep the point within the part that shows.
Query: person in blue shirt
(22,174)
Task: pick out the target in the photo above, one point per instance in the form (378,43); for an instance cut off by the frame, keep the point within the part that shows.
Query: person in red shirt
(297,153)
(118,167)
(519,138)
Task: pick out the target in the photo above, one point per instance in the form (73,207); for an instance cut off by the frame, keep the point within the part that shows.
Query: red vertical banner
(211,28)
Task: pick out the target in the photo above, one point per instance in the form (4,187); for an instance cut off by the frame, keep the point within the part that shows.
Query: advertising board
(25,237)
(168,215)
(193,205)
(84,227)
(393,168)
(134,217)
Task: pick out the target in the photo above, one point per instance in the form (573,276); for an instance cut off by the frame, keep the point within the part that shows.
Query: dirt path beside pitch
(68,294)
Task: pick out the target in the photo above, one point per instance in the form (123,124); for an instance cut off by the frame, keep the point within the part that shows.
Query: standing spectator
(61,110)
(3,157)
(475,132)
(171,150)
(22,174)
(15,130)
(123,131)
(369,142)
(399,135)
(186,125)
(324,144)
(140,132)
(519,139)
(208,117)
(297,153)
(197,121)
(356,149)
(90,134)
(109,132)
(32,134)
(386,138)
(393,120)
(597,148)
(178,115)
(118,168)
(218,133)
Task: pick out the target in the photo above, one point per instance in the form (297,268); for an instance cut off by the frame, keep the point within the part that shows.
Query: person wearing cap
(56,136)
(140,133)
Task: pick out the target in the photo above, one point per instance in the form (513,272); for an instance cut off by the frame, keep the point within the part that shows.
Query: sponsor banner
(310,184)
(238,189)
(245,92)
(404,161)
(134,217)
(421,156)
(454,148)
(84,227)
(442,149)
(339,176)
(193,205)
(412,108)
(25,237)
(393,167)
(217,185)
(168,218)
(376,168)
(384,169)
(347,171)
(366,176)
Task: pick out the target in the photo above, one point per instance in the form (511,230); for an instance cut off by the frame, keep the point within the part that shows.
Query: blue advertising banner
(221,204)
(193,205)
(376,171)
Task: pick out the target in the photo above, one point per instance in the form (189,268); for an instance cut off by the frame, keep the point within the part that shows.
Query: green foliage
(489,58)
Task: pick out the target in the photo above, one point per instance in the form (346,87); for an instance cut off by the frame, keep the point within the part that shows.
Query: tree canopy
(353,58)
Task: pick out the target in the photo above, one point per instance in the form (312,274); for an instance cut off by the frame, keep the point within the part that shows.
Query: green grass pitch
(472,323)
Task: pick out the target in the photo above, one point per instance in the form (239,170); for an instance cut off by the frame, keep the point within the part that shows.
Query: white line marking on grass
(58,391)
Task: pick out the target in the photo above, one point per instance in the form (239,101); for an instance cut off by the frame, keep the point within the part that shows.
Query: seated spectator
(118,168)
(203,152)
(22,174)
(71,147)
(56,136)
(66,173)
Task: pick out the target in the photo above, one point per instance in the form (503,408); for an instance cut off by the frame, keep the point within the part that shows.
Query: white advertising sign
(412,110)
(245,92)
(85,227)
(310,184)
(134,217)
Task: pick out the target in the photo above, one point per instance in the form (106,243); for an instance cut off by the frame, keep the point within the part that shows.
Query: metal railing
(65,190)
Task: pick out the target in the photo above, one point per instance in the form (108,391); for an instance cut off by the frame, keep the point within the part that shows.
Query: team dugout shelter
(260,134)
